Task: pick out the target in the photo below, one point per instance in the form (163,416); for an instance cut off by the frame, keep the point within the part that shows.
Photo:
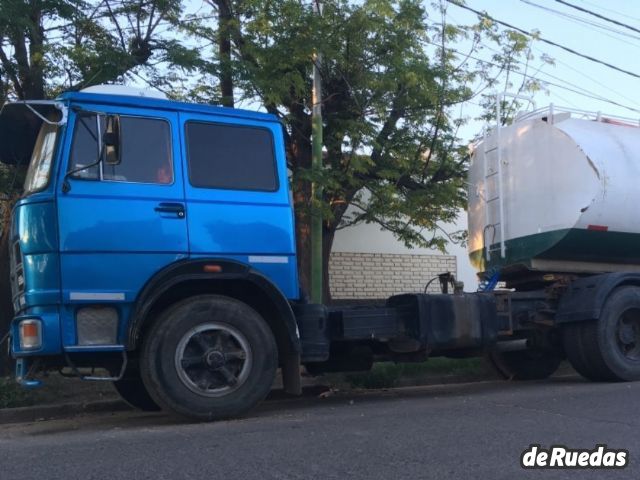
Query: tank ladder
(492,175)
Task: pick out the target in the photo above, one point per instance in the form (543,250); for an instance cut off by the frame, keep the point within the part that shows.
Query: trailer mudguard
(585,297)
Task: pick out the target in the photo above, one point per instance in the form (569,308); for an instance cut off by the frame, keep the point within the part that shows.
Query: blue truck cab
(132,203)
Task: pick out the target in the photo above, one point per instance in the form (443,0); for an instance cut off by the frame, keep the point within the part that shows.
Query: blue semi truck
(154,247)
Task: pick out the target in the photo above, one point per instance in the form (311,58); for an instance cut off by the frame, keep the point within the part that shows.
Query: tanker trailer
(569,198)
(553,202)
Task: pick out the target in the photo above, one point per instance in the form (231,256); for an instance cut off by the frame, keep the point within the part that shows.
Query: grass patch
(389,375)
(13,395)
(55,390)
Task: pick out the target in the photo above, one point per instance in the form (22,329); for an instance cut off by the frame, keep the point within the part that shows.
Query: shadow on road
(278,404)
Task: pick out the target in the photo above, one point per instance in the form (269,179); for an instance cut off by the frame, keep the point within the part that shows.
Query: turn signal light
(212,268)
(30,334)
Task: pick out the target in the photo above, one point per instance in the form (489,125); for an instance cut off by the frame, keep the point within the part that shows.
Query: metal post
(316,164)
(499,160)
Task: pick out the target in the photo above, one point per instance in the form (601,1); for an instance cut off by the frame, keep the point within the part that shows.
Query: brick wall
(379,275)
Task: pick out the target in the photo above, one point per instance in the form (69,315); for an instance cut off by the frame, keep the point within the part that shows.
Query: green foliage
(12,395)
(390,375)
(53,45)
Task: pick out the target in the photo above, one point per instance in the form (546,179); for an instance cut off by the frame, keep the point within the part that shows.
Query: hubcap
(213,359)
(628,334)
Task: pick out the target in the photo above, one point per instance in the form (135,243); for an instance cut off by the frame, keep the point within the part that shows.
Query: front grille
(16,276)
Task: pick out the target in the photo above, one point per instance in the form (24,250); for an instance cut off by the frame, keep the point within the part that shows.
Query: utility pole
(316,165)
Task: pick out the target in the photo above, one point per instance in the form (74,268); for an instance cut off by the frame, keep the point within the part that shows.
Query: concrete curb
(47,412)
(37,413)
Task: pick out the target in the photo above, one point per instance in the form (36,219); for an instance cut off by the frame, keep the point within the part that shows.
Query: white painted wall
(370,238)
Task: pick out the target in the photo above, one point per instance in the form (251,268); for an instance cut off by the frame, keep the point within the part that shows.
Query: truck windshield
(40,165)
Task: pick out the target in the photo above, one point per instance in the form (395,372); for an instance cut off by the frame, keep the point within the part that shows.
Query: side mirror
(111,140)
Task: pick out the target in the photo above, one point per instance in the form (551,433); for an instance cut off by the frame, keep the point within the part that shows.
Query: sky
(614,44)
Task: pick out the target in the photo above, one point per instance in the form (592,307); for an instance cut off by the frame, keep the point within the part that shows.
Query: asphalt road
(445,432)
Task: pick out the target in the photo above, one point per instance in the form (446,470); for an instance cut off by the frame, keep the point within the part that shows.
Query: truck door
(237,195)
(122,221)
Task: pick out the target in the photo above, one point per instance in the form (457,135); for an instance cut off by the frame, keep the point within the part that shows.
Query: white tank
(556,192)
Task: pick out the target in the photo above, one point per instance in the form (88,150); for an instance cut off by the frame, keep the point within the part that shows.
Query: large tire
(132,390)
(526,364)
(608,349)
(209,357)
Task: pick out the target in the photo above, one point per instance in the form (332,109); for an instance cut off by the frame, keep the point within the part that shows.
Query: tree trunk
(6,306)
(224,47)
(299,157)
(328,234)
(36,57)
(302,197)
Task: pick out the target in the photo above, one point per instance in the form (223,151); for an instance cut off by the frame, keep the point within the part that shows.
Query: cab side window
(231,157)
(144,146)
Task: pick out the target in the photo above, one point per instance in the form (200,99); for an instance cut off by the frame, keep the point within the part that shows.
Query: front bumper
(23,370)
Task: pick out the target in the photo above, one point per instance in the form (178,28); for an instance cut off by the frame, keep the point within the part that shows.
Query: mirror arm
(59,105)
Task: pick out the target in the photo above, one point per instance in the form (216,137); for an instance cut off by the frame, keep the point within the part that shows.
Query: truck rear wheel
(529,364)
(209,357)
(608,349)
(132,390)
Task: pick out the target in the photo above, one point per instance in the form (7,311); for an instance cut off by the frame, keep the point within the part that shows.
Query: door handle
(176,209)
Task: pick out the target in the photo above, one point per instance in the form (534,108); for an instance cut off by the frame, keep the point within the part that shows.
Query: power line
(582,91)
(588,92)
(626,15)
(577,90)
(544,40)
(608,87)
(602,17)
(585,21)
(594,80)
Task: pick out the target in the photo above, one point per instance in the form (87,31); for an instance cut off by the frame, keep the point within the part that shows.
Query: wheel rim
(628,334)
(213,359)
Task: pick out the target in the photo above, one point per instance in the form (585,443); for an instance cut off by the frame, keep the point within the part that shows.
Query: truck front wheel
(209,357)
(608,349)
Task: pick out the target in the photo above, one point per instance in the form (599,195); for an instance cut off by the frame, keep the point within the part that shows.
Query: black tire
(209,357)
(608,349)
(132,390)
(525,364)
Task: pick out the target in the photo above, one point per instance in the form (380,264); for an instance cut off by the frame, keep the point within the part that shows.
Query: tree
(391,82)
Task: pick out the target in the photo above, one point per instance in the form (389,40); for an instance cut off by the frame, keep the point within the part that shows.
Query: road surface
(475,431)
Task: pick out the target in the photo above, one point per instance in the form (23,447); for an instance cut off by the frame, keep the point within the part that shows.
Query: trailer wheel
(530,364)
(132,390)
(209,357)
(608,349)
